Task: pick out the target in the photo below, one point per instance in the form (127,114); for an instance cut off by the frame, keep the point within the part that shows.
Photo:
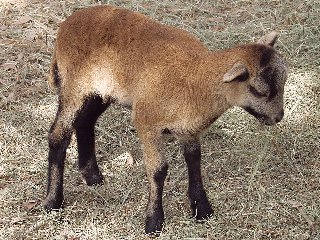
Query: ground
(263,182)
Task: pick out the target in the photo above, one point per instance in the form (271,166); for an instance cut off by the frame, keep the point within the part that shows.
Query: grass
(263,182)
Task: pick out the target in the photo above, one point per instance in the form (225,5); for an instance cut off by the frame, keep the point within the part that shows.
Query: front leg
(156,168)
(200,205)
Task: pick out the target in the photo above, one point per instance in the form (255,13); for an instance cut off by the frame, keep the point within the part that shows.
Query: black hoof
(93,179)
(154,226)
(204,215)
(202,211)
(53,204)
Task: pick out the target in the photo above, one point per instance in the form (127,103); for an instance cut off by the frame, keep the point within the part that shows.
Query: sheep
(172,83)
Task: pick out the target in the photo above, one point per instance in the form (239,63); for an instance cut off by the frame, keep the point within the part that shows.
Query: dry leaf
(73,238)
(130,160)
(294,204)
(10,97)
(217,28)
(23,20)
(31,35)
(30,204)
(9,65)
(124,158)
(2,221)
(20,56)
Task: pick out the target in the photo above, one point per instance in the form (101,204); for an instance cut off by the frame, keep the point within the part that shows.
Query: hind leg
(59,139)
(84,124)
(200,205)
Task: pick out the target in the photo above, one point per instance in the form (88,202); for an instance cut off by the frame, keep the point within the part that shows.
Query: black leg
(200,205)
(59,139)
(156,169)
(155,214)
(84,126)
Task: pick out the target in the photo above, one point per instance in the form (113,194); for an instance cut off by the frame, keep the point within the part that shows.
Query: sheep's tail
(54,79)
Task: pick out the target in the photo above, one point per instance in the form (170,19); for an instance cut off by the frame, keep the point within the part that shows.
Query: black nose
(280,116)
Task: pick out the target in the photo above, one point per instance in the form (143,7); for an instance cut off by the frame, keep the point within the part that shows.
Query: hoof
(154,226)
(200,216)
(202,211)
(93,179)
(52,204)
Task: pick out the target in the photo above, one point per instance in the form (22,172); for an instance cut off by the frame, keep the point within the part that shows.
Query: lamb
(169,79)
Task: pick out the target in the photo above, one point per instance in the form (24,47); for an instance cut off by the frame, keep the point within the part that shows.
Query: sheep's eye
(242,77)
(256,93)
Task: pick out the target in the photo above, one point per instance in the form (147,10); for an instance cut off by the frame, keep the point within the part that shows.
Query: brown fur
(169,78)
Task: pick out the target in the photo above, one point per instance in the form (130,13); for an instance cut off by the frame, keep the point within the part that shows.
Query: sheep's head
(256,82)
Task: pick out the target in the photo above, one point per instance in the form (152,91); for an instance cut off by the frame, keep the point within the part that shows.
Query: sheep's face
(264,93)
(259,90)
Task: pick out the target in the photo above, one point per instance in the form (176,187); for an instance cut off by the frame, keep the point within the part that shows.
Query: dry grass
(264,183)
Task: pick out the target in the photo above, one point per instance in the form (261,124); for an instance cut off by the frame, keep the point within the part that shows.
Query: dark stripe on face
(266,57)
(255,113)
(269,76)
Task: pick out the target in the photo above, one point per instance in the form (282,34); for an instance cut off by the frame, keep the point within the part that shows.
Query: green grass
(263,182)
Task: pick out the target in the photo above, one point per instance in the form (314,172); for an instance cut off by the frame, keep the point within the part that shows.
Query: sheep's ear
(269,39)
(238,72)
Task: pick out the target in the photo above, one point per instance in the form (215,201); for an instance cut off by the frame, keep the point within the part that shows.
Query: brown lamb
(169,79)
